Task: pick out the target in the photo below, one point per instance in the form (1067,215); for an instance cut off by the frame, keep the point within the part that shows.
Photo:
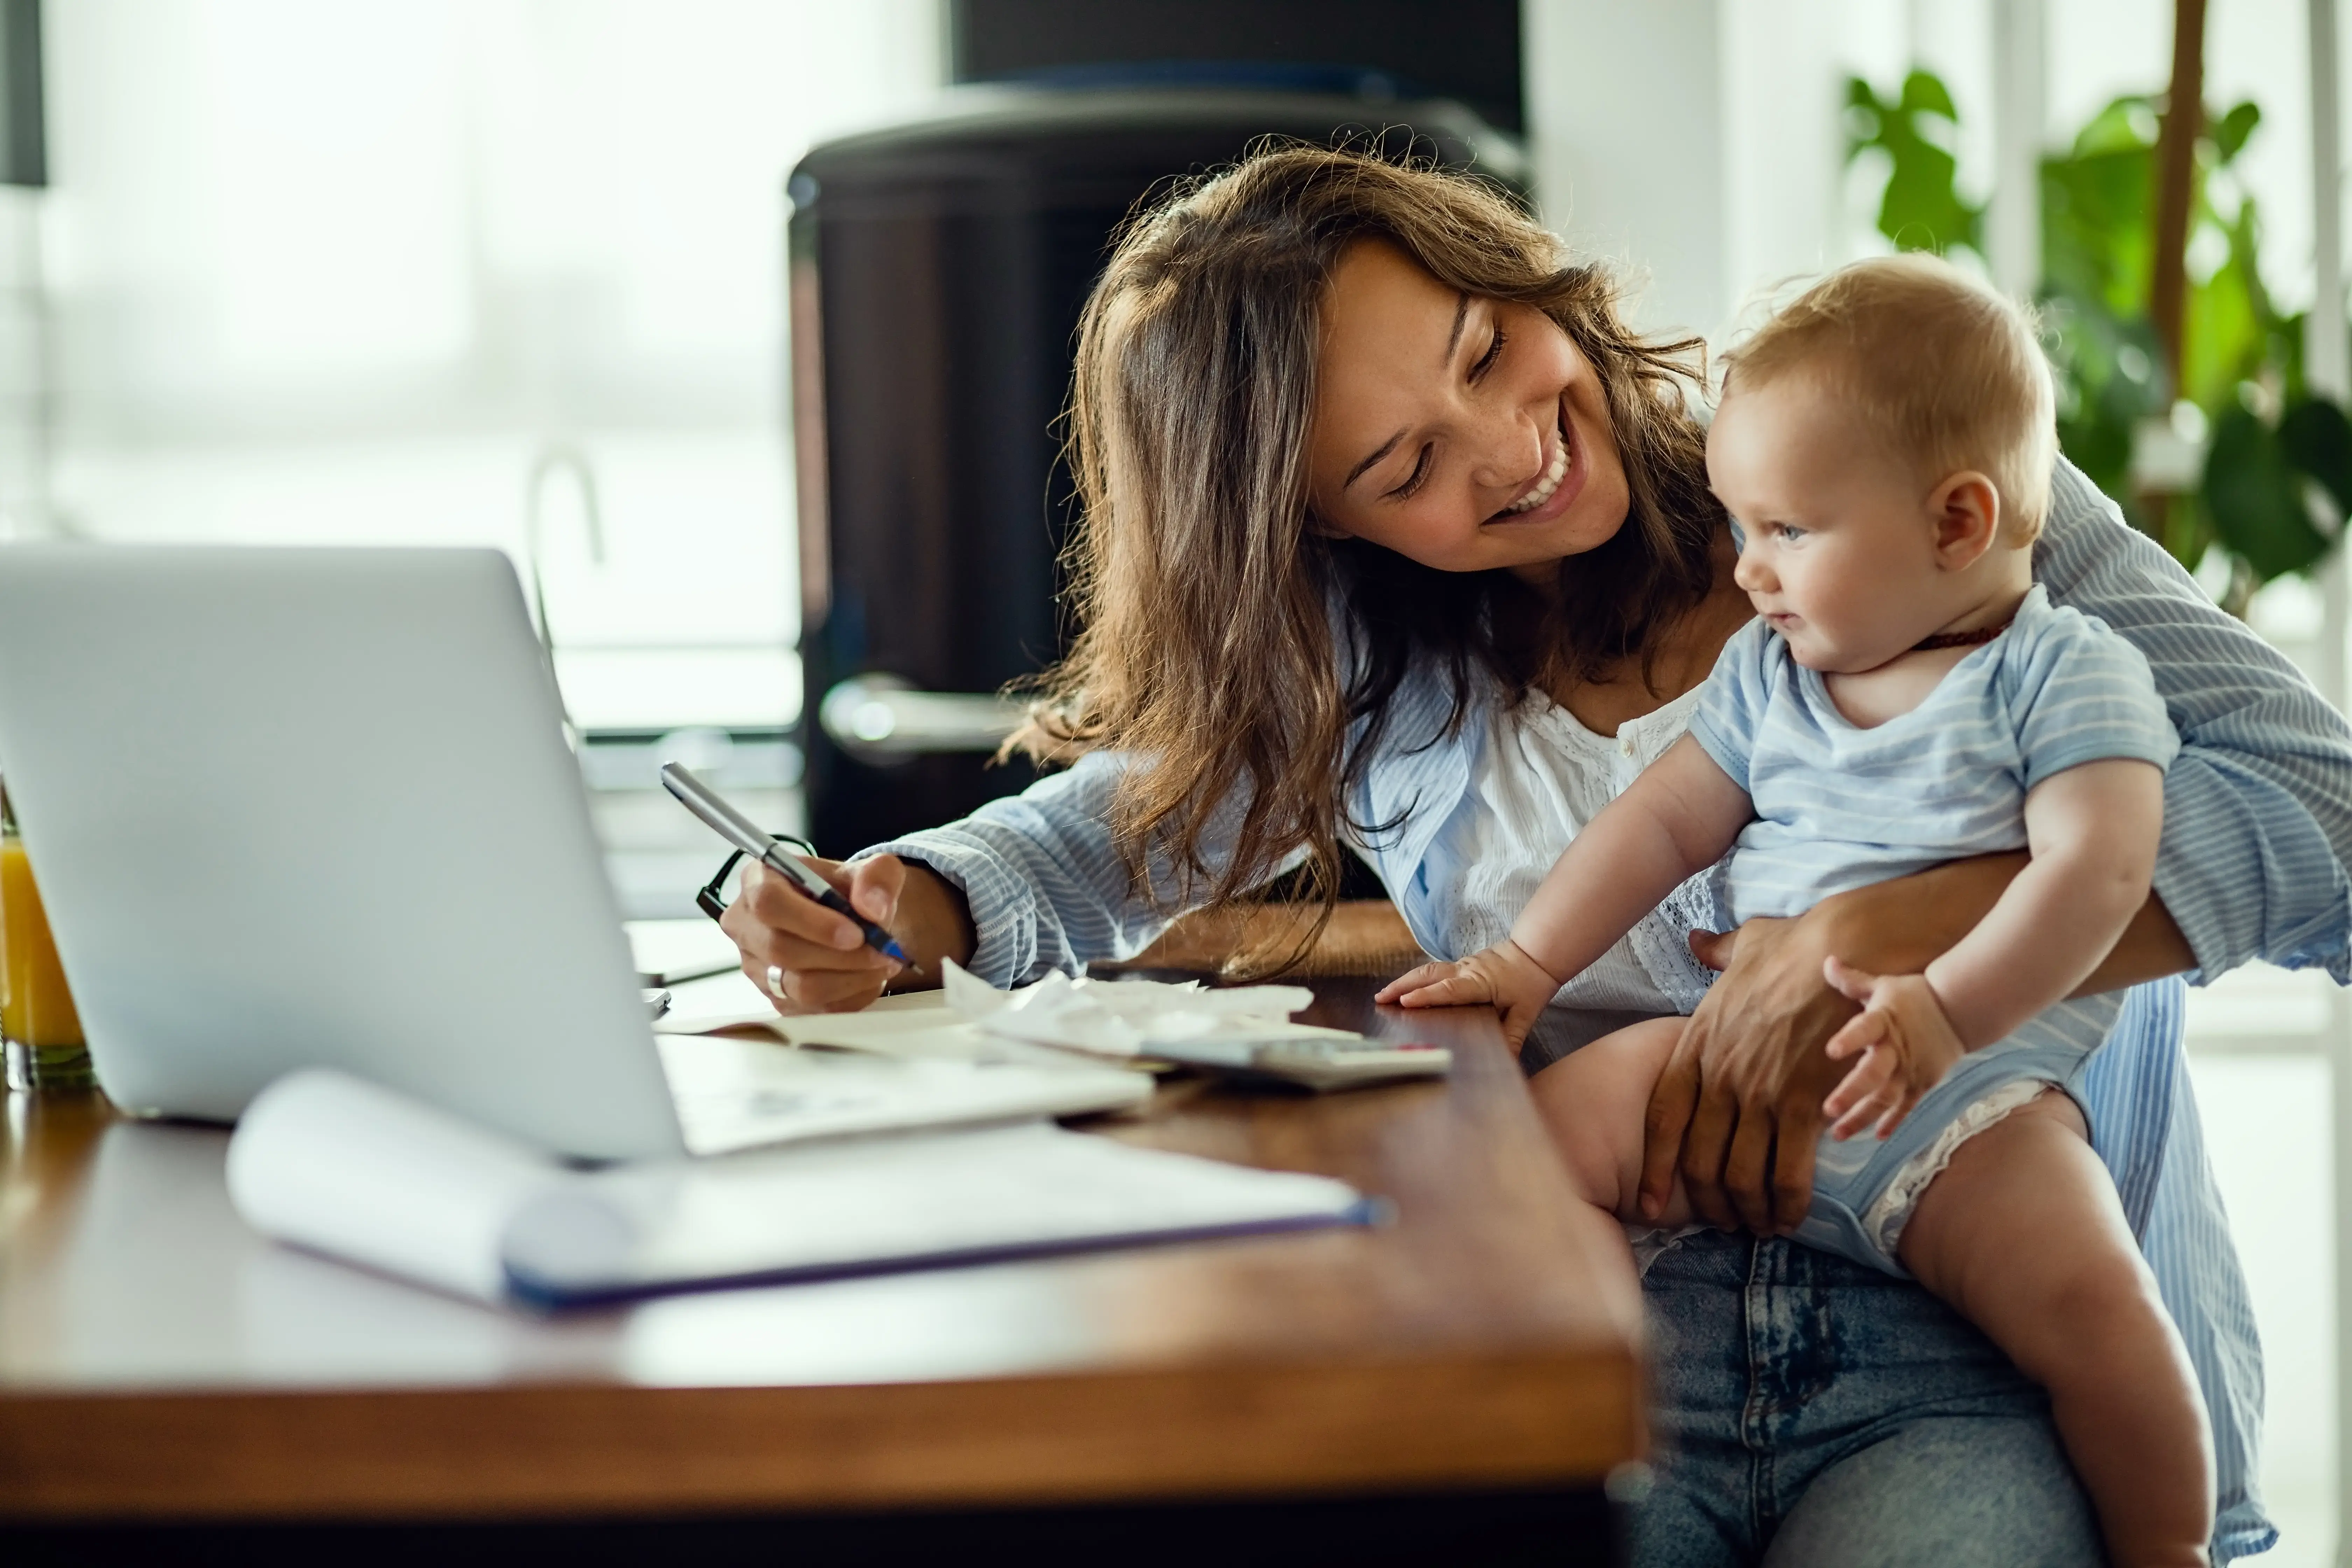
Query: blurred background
(745,321)
(507,270)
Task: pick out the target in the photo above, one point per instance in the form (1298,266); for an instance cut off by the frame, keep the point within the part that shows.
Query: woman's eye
(1493,352)
(1413,481)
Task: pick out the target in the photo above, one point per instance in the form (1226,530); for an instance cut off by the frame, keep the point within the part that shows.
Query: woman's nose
(1514,450)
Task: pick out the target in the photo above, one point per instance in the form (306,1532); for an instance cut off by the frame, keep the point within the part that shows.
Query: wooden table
(158,1362)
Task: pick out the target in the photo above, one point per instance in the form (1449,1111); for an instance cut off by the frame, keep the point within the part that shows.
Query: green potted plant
(2226,455)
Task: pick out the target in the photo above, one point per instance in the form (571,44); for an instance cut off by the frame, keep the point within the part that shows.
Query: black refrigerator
(937,270)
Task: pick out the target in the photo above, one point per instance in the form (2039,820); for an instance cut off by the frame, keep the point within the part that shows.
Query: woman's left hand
(1738,1108)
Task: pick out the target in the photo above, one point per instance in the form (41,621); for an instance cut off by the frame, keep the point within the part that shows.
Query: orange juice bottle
(37,1012)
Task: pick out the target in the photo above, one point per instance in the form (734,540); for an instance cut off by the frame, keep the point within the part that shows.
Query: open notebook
(345,1167)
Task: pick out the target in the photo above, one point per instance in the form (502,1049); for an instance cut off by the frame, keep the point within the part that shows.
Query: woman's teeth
(1547,484)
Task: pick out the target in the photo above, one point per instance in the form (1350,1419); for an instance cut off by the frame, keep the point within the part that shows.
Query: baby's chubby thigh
(1593,1102)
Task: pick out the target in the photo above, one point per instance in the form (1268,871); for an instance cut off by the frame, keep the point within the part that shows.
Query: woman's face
(1463,433)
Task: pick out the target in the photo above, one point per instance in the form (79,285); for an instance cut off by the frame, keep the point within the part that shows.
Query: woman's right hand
(819,960)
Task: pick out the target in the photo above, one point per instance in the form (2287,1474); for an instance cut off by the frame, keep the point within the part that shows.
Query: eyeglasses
(711,898)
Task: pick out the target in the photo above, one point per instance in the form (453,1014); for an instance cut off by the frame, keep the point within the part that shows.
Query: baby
(1907,695)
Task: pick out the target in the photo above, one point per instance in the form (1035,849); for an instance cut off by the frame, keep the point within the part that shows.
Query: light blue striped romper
(1838,807)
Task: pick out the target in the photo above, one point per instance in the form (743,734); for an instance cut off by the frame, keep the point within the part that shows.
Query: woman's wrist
(932,922)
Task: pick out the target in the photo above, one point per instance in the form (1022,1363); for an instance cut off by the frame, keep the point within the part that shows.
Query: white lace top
(1539,776)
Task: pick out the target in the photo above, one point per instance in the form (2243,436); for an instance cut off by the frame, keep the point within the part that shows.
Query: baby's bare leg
(1593,1102)
(2022,1233)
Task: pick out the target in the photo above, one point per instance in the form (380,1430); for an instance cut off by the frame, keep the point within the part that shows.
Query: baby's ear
(1966,512)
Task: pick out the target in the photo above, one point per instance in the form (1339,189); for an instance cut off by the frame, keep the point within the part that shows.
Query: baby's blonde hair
(1945,370)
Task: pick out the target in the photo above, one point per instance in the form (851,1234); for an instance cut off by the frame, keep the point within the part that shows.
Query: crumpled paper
(1123,1017)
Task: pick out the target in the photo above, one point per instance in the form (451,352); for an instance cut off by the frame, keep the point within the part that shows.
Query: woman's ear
(1966,510)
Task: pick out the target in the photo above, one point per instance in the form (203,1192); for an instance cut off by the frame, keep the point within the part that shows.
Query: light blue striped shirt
(2257,835)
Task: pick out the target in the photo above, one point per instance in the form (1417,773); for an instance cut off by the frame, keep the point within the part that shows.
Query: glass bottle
(37,1021)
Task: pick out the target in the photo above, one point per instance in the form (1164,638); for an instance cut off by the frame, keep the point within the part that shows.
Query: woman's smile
(1555,490)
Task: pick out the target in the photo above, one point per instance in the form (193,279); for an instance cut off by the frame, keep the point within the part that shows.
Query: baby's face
(1839,553)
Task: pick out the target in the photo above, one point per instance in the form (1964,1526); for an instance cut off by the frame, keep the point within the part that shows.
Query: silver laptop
(313,807)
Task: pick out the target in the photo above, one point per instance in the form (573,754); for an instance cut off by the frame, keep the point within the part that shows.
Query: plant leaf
(1924,92)
(2317,440)
(2255,496)
(1921,207)
(2116,127)
(2230,131)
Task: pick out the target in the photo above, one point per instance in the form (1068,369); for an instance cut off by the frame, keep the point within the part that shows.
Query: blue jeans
(1811,1401)
(1814,1412)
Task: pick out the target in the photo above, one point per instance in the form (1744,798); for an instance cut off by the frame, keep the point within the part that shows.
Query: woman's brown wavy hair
(1210,608)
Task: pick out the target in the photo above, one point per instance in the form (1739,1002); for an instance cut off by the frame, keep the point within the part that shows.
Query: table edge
(1543,1419)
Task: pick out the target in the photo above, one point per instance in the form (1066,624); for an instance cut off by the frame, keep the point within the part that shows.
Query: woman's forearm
(1901,927)
(2150,948)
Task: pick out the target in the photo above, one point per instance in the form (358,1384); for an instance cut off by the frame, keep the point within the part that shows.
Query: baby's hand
(1905,1043)
(1503,975)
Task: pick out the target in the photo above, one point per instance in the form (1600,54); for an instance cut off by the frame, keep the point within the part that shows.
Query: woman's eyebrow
(1461,314)
(1358,471)
(1452,338)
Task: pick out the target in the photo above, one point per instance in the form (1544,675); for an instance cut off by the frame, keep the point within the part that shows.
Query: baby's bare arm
(1675,820)
(2091,831)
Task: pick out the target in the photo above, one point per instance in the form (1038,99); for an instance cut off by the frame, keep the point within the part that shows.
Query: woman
(1396,537)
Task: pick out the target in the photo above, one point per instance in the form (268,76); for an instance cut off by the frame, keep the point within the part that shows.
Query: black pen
(738,829)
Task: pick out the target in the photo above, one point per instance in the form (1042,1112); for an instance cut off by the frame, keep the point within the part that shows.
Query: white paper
(876,1202)
(1124,1017)
(341,1165)
(733,1094)
(1039,1025)
(344,1167)
(731,1001)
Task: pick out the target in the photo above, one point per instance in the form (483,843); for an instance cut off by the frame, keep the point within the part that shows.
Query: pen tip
(892,950)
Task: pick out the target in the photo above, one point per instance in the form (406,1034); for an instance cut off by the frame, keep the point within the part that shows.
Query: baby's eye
(1788,536)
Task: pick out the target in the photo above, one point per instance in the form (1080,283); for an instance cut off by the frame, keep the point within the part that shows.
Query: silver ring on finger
(776,983)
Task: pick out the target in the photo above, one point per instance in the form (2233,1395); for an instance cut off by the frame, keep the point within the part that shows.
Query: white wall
(1782,72)
(339,272)
(1700,139)
(1627,137)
